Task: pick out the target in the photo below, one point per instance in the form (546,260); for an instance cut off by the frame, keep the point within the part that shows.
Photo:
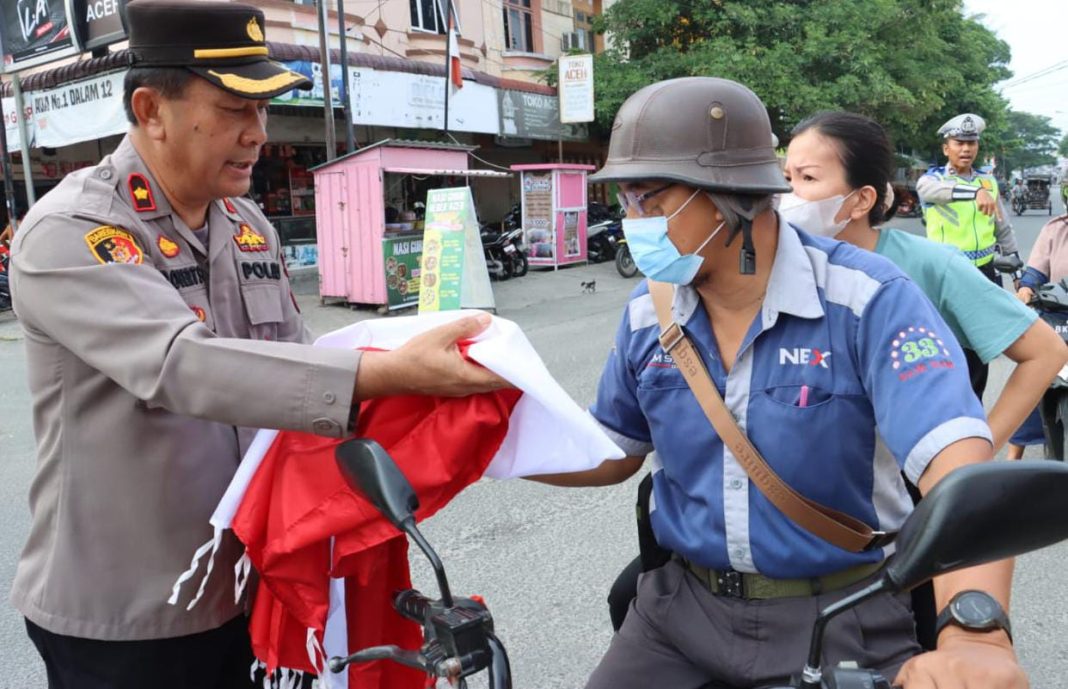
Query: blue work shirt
(847,376)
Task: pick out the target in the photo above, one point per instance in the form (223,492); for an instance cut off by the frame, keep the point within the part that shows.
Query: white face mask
(814,217)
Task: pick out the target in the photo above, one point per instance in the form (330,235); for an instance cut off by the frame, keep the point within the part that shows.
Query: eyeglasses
(629,200)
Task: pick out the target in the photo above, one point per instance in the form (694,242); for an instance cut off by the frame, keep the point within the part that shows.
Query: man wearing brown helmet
(152,356)
(753,341)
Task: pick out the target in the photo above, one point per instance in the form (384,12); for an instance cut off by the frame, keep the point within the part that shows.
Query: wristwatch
(975,610)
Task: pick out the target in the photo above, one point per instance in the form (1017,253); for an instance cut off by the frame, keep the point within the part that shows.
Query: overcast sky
(1037,33)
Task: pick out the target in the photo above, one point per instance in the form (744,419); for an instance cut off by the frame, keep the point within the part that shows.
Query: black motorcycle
(1051,302)
(505,257)
(458,637)
(977,514)
(625,264)
(602,240)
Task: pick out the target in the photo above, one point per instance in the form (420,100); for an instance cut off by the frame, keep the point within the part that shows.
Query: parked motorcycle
(625,264)
(458,632)
(505,257)
(977,514)
(602,240)
(5,288)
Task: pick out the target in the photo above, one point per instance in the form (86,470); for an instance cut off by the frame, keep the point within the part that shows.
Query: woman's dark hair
(169,81)
(865,152)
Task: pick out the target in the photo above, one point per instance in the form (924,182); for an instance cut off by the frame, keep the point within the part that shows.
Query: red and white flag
(456,78)
(328,562)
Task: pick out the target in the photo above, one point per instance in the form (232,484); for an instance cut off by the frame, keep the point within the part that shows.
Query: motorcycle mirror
(368,468)
(977,514)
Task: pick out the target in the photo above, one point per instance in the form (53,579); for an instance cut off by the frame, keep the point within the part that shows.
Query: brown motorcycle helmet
(704,132)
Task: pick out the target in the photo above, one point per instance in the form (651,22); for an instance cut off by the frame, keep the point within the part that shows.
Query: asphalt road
(542,557)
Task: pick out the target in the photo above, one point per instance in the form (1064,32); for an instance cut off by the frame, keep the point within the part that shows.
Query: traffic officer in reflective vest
(160,332)
(963,209)
(837,368)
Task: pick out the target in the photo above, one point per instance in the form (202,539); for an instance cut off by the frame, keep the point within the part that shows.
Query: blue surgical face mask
(655,254)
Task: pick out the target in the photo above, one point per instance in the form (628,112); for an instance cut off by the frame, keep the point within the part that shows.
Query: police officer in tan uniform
(160,330)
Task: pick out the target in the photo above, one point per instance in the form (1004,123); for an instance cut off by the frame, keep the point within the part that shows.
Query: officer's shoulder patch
(141,193)
(110,244)
(167,247)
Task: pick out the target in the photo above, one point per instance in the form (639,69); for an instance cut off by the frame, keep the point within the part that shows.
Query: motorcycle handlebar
(412,605)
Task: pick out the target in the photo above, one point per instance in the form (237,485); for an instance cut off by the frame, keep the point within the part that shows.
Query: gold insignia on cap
(257,86)
(254,30)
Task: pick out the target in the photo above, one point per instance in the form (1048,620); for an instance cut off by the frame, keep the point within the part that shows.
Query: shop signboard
(79,111)
(11,123)
(417,101)
(403,255)
(576,88)
(99,22)
(535,116)
(453,271)
(314,97)
(34,32)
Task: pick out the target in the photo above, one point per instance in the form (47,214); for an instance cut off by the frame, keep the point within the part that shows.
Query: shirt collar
(791,286)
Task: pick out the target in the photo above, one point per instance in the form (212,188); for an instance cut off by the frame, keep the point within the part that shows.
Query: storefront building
(396,86)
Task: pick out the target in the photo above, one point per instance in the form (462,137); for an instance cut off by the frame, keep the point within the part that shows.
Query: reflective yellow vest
(960,224)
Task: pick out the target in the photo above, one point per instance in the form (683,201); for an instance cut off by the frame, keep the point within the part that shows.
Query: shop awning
(424,172)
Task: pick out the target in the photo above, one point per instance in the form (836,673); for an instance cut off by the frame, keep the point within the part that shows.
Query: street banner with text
(453,273)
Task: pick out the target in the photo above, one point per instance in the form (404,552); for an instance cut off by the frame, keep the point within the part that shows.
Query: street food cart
(553,198)
(368,207)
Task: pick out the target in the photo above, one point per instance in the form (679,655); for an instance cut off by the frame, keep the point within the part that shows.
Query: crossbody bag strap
(837,528)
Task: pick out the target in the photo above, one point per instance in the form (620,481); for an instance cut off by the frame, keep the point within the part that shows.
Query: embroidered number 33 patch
(111,244)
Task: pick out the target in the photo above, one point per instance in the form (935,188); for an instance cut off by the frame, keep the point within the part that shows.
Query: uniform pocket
(799,396)
(263,305)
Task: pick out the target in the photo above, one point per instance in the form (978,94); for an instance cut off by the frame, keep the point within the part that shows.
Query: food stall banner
(33,32)
(417,101)
(99,22)
(11,123)
(539,235)
(535,116)
(79,111)
(576,88)
(314,97)
(453,272)
(403,255)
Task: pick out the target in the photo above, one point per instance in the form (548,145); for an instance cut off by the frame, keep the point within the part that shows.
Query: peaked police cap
(222,42)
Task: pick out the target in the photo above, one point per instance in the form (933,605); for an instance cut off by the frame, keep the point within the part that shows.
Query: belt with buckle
(735,584)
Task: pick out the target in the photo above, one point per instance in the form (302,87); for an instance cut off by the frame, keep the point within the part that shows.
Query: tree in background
(1062,150)
(910,64)
(1028,141)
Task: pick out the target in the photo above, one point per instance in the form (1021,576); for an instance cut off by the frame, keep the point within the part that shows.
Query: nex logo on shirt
(803,356)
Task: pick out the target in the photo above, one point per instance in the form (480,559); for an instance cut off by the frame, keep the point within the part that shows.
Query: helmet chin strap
(747,257)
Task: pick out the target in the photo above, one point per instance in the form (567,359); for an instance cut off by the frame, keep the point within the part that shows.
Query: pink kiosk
(554,213)
(362,259)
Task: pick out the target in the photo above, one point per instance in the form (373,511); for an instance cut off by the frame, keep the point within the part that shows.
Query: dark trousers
(217,659)
(679,635)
